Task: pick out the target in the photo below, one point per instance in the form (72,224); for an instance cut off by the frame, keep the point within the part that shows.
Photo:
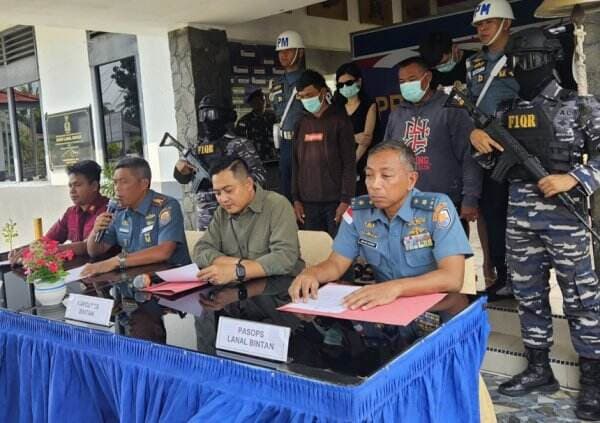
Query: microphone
(111,207)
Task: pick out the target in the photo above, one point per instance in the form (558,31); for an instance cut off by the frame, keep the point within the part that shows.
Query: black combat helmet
(532,48)
(532,54)
(211,108)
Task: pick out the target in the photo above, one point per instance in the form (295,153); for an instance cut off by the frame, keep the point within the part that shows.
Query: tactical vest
(533,127)
(209,152)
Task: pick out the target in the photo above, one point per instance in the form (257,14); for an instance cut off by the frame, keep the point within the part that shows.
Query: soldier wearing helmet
(558,127)
(217,141)
(289,110)
(490,82)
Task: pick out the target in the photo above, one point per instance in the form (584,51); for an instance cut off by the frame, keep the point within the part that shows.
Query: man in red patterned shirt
(78,220)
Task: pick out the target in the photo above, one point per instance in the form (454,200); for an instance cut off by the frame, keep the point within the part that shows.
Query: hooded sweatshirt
(439,136)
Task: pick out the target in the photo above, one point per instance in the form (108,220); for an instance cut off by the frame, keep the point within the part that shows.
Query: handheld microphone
(111,207)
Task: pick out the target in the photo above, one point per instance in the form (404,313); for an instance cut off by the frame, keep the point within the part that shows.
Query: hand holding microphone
(103,221)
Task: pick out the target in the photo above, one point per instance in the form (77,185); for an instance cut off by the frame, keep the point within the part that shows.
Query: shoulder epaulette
(159,201)
(362,202)
(424,202)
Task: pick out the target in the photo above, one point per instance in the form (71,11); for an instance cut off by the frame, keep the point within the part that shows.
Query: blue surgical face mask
(446,67)
(350,91)
(412,91)
(312,104)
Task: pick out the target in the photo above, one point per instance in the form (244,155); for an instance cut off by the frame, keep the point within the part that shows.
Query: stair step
(506,355)
(504,319)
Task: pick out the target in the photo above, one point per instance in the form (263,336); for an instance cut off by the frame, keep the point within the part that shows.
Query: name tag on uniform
(414,242)
(314,137)
(368,243)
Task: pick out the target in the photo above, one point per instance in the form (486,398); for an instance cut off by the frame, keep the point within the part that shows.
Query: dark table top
(330,350)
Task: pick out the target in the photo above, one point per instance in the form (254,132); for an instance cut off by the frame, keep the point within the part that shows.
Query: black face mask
(532,82)
(214,129)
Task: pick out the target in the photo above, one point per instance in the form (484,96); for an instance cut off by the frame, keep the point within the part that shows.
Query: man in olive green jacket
(252,234)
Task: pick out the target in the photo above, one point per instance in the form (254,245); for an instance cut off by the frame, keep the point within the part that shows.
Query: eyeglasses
(347,83)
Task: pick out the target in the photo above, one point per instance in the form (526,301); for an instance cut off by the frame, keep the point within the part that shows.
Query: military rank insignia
(158,201)
(415,242)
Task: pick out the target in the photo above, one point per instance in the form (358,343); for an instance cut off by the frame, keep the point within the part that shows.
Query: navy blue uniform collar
(144,206)
(405,212)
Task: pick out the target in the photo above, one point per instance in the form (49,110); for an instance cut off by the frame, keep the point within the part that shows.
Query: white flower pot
(50,293)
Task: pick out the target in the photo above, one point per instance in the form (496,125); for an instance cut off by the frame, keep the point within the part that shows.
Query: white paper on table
(330,299)
(188,304)
(180,274)
(74,274)
(4,263)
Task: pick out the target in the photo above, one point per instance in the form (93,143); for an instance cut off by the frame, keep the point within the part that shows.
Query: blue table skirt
(54,372)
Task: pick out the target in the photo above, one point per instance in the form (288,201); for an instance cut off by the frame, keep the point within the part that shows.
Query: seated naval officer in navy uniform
(148,227)
(413,240)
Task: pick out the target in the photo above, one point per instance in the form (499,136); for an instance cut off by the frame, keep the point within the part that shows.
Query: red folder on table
(172,288)
(400,312)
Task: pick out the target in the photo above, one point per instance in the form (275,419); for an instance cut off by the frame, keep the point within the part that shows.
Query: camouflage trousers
(541,234)
(206,204)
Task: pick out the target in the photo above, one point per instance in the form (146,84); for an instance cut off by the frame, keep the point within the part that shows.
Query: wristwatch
(242,292)
(240,271)
(122,262)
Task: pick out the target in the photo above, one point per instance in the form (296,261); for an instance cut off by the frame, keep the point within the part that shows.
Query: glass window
(117,82)
(7,164)
(30,134)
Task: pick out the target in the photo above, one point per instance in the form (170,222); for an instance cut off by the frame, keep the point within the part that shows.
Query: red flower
(53,267)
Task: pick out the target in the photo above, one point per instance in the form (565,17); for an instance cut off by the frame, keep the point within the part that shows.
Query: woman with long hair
(362,112)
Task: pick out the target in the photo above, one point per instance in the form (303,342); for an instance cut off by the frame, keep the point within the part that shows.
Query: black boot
(588,401)
(537,376)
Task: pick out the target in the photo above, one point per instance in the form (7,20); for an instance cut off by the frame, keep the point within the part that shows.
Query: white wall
(319,33)
(65,77)
(158,101)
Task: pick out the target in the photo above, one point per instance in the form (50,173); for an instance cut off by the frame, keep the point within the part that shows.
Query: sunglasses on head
(347,83)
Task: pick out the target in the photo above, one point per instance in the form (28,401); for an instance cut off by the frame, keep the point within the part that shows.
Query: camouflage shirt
(258,127)
(582,133)
(209,151)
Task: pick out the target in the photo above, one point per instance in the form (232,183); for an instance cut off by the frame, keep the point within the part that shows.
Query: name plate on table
(251,338)
(89,309)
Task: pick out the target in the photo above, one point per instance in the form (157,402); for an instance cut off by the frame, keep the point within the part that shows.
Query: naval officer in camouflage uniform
(257,125)
(216,142)
(148,227)
(253,233)
(290,52)
(413,240)
(551,124)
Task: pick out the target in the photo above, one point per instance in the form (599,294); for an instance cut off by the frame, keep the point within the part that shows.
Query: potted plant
(9,233)
(43,264)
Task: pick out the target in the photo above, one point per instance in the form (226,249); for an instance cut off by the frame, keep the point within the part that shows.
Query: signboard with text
(70,137)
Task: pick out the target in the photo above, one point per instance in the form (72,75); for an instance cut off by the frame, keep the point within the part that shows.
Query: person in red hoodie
(324,160)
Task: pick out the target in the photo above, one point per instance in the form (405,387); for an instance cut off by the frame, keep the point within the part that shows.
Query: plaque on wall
(69,137)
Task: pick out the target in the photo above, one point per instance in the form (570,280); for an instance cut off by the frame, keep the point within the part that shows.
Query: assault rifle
(188,154)
(514,153)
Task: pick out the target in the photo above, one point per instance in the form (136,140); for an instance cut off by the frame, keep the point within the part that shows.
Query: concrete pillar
(200,65)
(591,48)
